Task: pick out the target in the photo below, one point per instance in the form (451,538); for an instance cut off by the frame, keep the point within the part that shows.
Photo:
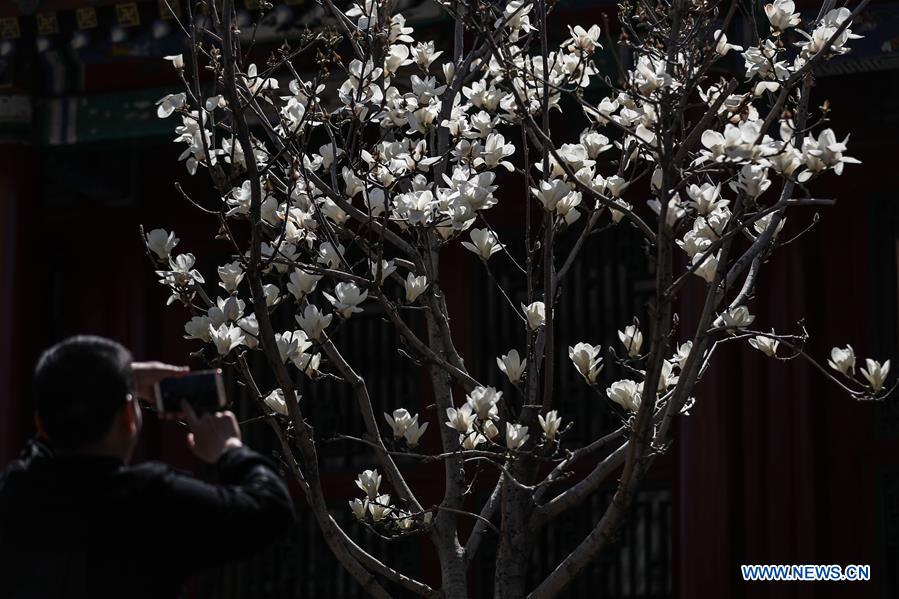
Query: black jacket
(74,527)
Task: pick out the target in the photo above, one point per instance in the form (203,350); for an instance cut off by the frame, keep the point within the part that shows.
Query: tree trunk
(513,556)
(454,584)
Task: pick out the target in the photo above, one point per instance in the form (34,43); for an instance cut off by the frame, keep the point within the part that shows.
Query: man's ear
(129,418)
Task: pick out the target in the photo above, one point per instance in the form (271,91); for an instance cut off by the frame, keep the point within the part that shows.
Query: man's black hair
(79,385)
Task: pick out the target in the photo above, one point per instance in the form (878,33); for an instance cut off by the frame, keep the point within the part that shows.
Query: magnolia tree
(357,155)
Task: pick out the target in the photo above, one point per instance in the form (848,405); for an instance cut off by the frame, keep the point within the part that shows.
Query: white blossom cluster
(440,137)
(375,507)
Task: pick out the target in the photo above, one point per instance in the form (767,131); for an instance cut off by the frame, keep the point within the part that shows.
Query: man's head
(84,396)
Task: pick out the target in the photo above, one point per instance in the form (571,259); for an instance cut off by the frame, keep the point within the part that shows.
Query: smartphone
(204,390)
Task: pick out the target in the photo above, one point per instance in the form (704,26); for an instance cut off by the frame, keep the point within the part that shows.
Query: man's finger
(177,371)
(158,369)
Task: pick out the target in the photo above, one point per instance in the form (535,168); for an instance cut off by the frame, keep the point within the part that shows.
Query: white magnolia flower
(693,243)
(329,255)
(495,152)
(483,95)
(423,54)
(761,224)
(231,275)
(240,199)
(712,226)
(512,365)
(400,421)
(379,507)
(414,432)
(735,318)
(824,153)
(535,314)
(213,102)
(585,40)
(471,440)
(587,360)
(483,243)
(226,337)
(632,339)
(313,322)
(551,193)
(706,198)
(404,520)
(550,424)
(387,268)
(272,294)
(397,56)
(415,286)
(617,215)
(257,83)
(737,142)
(626,393)
(182,273)
(667,378)
(616,185)
(291,344)
(722,47)
(516,18)
(308,364)
(367,13)
(761,61)
(651,74)
(275,400)
(354,185)
(280,253)
(843,360)
(752,180)
(361,86)
(230,309)
(328,154)
(683,352)
(780,14)
(567,207)
(177,61)
(359,508)
(826,29)
(332,211)
(250,327)
(460,419)
(595,142)
(766,345)
(169,103)
(516,435)
(198,328)
(489,429)
(300,283)
(369,481)
(575,156)
(708,269)
(161,242)
(483,402)
(876,373)
(346,299)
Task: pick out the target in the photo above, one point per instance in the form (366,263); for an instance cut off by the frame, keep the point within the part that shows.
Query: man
(77,521)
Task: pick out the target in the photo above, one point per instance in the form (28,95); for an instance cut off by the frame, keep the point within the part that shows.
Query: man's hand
(212,434)
(147,374)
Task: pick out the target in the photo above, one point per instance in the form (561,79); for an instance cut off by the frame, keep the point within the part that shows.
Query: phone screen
(204,391)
